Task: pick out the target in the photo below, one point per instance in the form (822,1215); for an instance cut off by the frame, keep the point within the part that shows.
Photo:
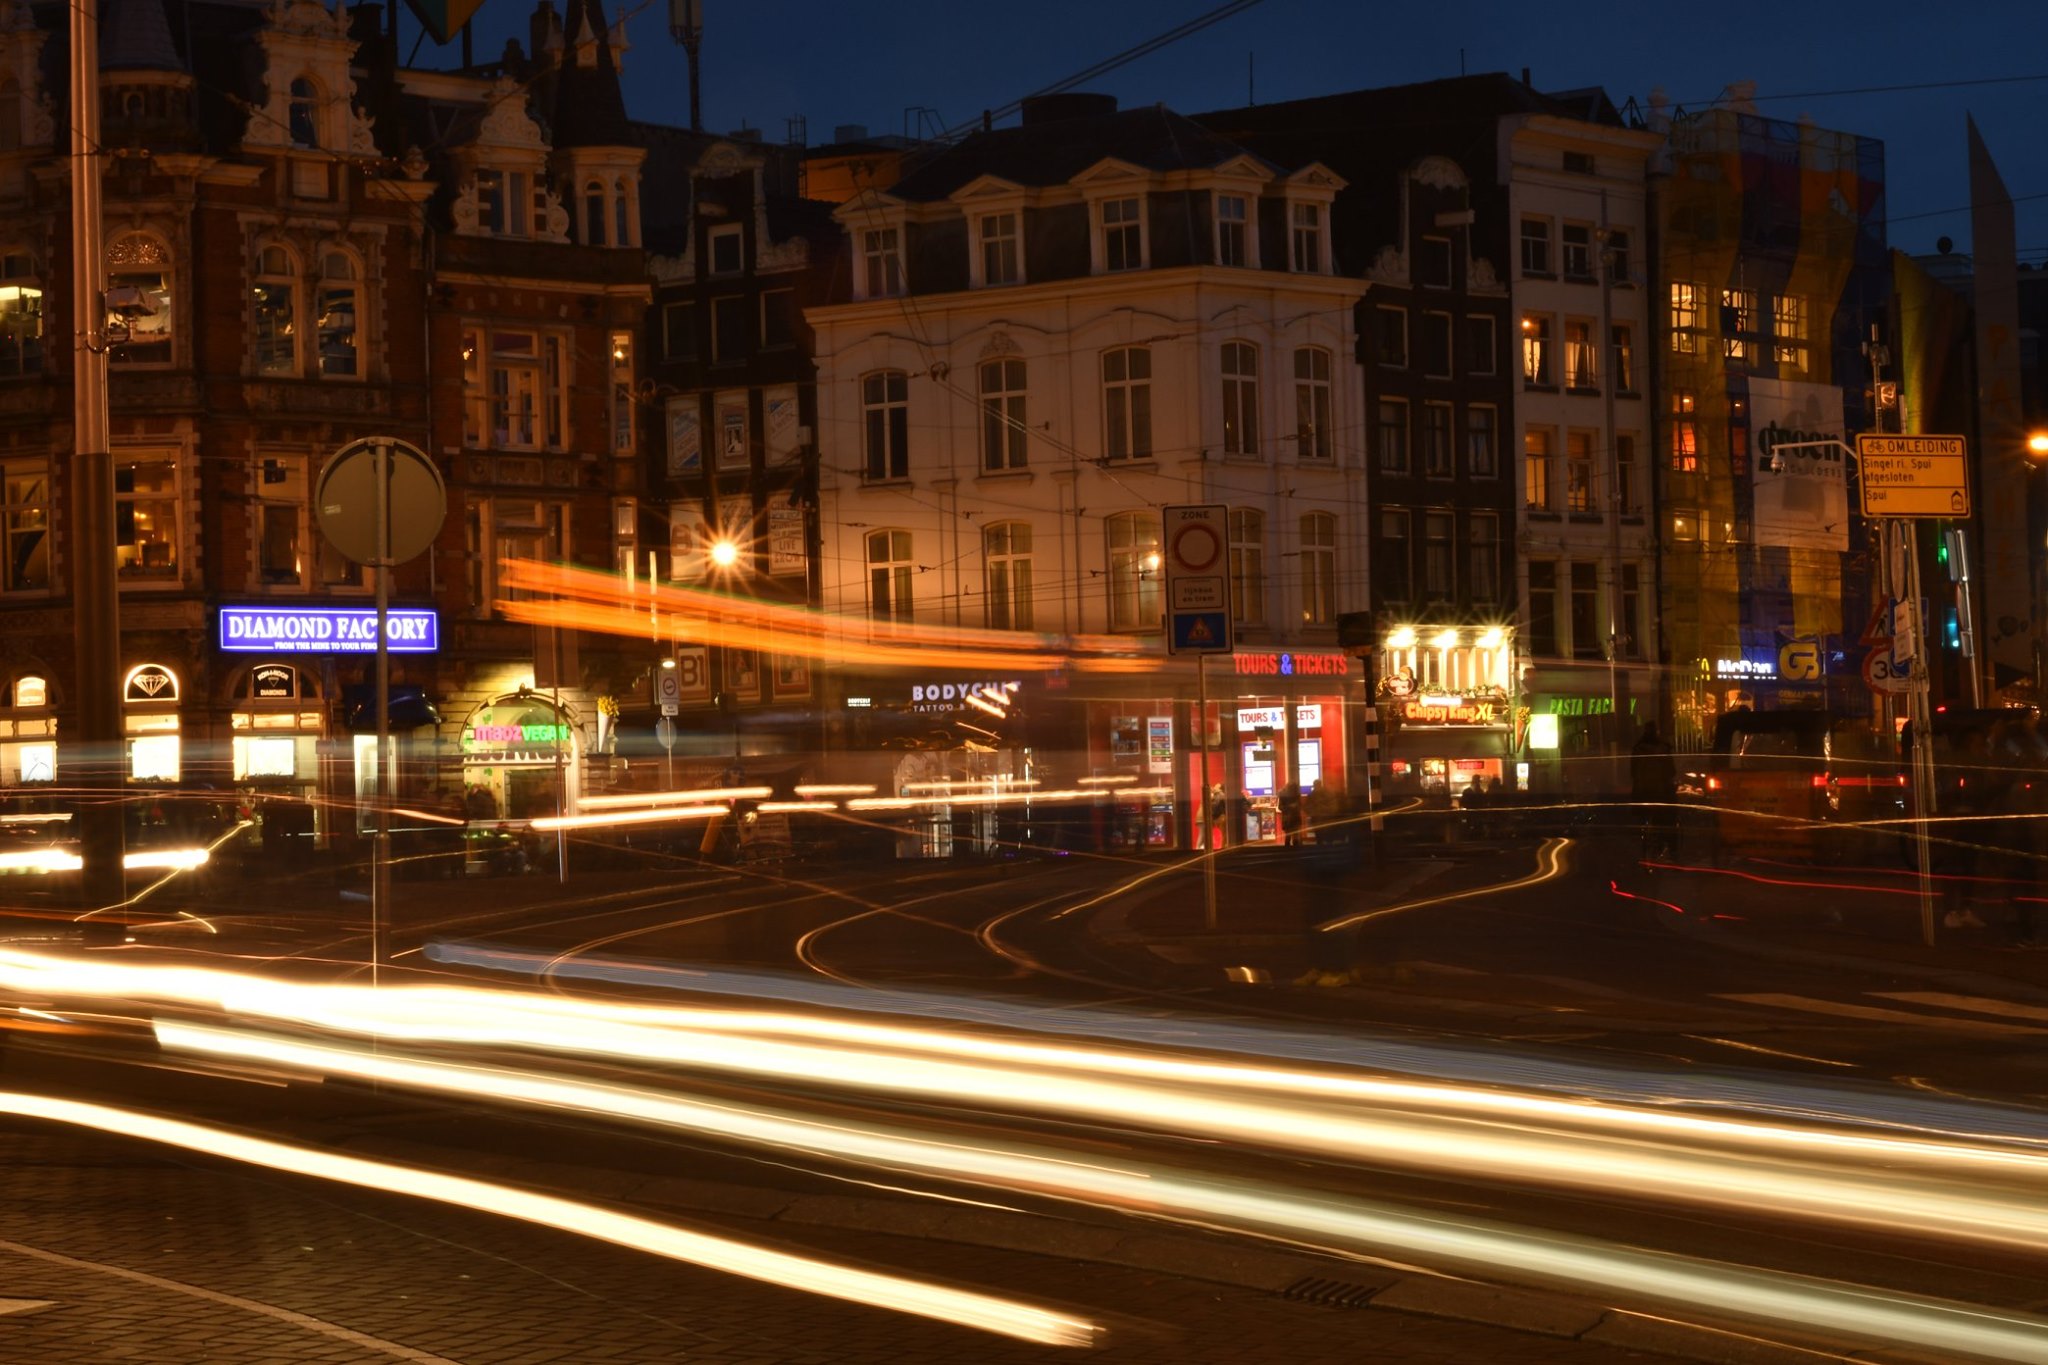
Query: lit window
(1538,474)
(889,572)
(288,552)
(1536,350)
(21,315)
(514,385)
(1580,368)
(1789,331)
(337,317)
(1006,552)
(139,295)
(1685,317)
(1740,325)
(1685,433)
(276,312)
(1133,541)
(146,519)
(622,393)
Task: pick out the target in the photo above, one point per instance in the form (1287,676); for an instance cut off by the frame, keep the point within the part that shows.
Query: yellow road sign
(1914,476)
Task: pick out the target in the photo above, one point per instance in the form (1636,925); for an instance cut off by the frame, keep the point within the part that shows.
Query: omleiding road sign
(1914,476)
(1196,561)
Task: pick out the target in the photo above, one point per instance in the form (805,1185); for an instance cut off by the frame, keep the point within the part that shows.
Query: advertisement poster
(1801,497)
(1159,744)
(786,541)
(778,415)
(685,437)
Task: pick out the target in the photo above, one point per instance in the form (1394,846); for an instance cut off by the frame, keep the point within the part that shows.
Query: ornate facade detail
(554,224)
(1481,279)
(353,400)
(793,254)
(414,163)
(722,159)
(464,207)
(506,122)
(1439,173)
(999,344)
(1389,267)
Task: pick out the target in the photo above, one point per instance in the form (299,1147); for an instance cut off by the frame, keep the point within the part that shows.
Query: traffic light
(1951,630)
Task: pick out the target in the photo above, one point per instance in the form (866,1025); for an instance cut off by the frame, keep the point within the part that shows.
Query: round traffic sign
(665,732)
(415,500)
(1195,546)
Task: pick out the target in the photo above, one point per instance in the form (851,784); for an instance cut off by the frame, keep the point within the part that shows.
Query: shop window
(25,526)
(1318,569)
(146,519)
(1006,553)
(1133,544)
(1248,566)
(1240,360)
(21,314)
(890,567)
(1127,403)
(1313,437)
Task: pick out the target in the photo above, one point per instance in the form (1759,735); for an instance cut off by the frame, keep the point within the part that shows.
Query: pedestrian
(1469,801)
(1290,815)
(1219,807)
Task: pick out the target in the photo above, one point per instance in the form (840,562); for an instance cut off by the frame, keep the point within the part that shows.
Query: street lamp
(724,553)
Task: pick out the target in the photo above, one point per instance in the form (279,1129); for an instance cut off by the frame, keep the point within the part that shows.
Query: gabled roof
(590,109)
(1053,151)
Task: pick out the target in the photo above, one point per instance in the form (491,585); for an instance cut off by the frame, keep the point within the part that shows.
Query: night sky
(868,63)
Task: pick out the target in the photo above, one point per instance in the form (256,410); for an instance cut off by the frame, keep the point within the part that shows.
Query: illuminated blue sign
(327,630)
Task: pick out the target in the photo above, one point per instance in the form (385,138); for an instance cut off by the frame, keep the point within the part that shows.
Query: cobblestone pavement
(110,1252)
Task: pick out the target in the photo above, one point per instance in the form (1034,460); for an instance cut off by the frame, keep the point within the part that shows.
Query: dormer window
(881,263)
(1001,261)
(1308,238)
(1123,234)
(1233,239)
(302,114)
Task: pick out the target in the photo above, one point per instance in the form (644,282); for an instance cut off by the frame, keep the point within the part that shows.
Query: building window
(500,529)
(1437,568)
(1395,581)
(302,113)
(1483,580)
(1538,474)
(1437,460)
(1630,646)
(1002,415)
(728,248)
(139,288)
(1621,344)
(1536,368)
(1240,398)
(339,309)
(889,570)
(276,312)
(1580,357)
(1390,435)
(1123,234)
(728,329)
(1685,432)
(881,263)
(1685,523)
(679,331)
(594,218)
(146,519)
(999,259)
(503,202)
(1788,331)
(1578,472)
(1536,246)
(288,552)
(622,393)
(1006,551)
(1544,640)
(1127,403)
(1133,570)
(1308,238)
(1247,566)
(1233,216)
(1318,569)
(1577,240)
(1617,257)
(1685,317)
(885,424)
(1628,479)
(21,314)
(25,525)
(514,384)
(1393,337)
(778,318)
(1436,345)
(1312,404)
(1482,345)
(1482,441)
(1587,635)
(1433,263)
(622,217)
(1740,325)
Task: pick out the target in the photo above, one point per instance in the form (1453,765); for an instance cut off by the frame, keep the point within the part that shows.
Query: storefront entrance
(520,758)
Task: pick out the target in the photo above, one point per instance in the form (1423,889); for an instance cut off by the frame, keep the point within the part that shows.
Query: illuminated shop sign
(327,630)
(519,734)
(1452,711)
(1265,665)
(1273,717)
(958,696)
(1743,668)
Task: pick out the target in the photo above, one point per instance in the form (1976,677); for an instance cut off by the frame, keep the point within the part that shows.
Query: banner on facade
(1800,495)
(685,437)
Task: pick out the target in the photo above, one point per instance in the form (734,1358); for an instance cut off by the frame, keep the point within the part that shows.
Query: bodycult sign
(327,630)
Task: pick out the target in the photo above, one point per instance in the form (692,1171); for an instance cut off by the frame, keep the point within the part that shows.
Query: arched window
(1240,398)
(1248,566)
(1133,570)
(889,569)
(593,213)
(1006,550)
(302,113)
(1318,569)
(276,311)
(139,296)
(339,303)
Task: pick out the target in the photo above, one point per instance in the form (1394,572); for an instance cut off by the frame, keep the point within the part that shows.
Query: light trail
(1550,865)
(984,1312)
(1334,1222)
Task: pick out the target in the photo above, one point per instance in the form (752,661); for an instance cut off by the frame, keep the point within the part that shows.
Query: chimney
(850,132)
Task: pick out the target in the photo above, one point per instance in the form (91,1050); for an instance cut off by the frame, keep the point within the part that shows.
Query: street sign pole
(1923,739)
(380,850)
(1196,539)
(1201,793)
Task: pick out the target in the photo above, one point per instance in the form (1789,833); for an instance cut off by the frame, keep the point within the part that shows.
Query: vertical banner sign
(1196,553)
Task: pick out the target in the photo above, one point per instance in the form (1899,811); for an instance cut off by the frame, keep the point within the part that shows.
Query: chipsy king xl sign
(327,630)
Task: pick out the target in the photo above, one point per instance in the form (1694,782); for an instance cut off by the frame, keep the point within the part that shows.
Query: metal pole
(380,853)
(1202,747)
(1923,739)
(95,595)
(561,771)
